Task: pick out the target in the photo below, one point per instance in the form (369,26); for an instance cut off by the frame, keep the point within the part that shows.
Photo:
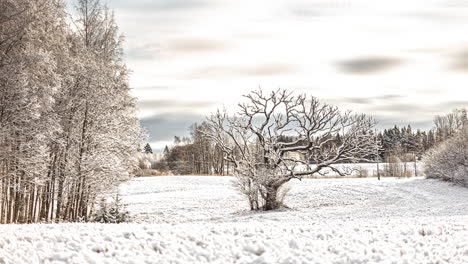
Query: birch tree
(31,38)
(68,128)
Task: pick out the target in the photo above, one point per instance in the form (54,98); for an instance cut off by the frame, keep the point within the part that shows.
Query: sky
(400,61)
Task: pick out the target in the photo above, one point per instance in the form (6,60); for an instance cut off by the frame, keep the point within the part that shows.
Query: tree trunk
(271,198)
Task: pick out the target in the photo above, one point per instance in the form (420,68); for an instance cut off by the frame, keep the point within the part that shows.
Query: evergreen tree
(148,149)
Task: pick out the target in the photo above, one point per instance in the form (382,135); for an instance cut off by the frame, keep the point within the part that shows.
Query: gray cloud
(398,108)
(387,98)
(163,127)
(195,45)
(145,52)
(152,51)
(449,106)
(172,104)
(385,123)
(460,61)
(388,110)
(158,5)
(219,72)
(153,88)
(411,113)
(415,109)
(368,65)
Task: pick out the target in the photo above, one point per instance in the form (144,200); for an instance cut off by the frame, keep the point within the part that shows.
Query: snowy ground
(190,219)
(372,169)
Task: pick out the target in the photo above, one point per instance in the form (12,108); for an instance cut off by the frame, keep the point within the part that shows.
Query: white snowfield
(188,219)
(372,169)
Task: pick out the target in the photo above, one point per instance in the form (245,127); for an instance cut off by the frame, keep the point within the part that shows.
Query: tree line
(196,154)
(68,128)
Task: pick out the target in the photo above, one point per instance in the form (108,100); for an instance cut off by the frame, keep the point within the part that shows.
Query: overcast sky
(399,61)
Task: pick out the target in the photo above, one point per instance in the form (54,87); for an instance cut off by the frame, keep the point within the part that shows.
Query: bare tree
(449,125)
(253,140)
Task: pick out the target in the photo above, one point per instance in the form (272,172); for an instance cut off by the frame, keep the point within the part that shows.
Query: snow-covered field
(188,219)
(372,169)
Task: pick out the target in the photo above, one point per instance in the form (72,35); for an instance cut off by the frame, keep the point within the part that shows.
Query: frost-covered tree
(449,160)
(449,125)
(32,34)
(100,129)
(254,141)
(68,126)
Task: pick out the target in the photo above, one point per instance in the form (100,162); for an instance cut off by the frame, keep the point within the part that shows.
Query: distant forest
(197,155)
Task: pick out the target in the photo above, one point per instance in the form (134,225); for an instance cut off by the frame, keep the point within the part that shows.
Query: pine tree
(148,149)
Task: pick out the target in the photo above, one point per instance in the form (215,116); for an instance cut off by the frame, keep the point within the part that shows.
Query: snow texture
(188,219)
(352,169)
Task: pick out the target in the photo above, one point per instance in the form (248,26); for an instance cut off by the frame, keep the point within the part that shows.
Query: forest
(68,124)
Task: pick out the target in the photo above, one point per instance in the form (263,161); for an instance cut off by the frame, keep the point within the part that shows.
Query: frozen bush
(113,212)
(362,172)
(449,160)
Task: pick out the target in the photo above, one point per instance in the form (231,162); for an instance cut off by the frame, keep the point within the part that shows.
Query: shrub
(449,160)
(394,167)
(113,212)
(362,172)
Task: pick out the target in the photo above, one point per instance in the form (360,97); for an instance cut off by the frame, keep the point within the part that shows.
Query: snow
(182,199)
(202,219)
(370,168)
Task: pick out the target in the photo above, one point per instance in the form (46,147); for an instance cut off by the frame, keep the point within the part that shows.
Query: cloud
(460,61)
(406,109)
(439,16)
(386,98)
(149,51)
(181,46)
(304,11)
(318,8)
(412,112)
(163,127)
(399,108)
(368,65)
(388,110)
(172,104)
(450,105)
(194,45)
(221,72)
(385,123)
(153,88)
(159,5)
